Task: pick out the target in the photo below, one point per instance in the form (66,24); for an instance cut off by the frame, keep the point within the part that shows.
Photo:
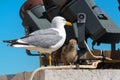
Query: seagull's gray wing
(44,32)
(44,41)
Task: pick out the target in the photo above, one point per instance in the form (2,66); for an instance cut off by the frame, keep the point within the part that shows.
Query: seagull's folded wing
(44,32)
(44,41)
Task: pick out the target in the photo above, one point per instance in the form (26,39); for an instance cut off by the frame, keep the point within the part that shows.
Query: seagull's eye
(64,20)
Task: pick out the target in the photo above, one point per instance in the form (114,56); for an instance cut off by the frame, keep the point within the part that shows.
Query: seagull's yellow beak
(68,23)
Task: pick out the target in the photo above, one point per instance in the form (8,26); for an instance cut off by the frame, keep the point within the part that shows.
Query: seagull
(44,40)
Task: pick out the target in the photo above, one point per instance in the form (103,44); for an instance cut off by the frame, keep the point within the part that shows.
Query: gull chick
(69,52)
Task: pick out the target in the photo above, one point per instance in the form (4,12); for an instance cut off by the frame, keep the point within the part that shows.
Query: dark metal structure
(98,25)
(89,21)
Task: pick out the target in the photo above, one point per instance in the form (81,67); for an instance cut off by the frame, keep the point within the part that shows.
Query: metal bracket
(81,29)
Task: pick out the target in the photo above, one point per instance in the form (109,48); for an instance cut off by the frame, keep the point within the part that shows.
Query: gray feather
(44,32)
(42,41)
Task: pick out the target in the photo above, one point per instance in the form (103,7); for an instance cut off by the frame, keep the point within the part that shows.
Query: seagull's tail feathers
(9,41)
(15,43)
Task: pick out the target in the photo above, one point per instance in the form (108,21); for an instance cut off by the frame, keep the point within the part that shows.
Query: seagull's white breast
(62,33)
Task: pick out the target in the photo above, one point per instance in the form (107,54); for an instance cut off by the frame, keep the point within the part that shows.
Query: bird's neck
(62,32)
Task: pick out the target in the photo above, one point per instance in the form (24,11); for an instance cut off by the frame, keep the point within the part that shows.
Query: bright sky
(15,60)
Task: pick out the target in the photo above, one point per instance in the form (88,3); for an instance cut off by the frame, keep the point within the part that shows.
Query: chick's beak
(68,23)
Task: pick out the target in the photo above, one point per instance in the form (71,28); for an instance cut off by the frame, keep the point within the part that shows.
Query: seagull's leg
(41,60)
(50,59)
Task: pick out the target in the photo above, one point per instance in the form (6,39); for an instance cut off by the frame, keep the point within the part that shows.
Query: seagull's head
(60,22)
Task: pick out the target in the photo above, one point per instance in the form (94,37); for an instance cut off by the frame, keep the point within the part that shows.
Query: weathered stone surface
(68,74)
(82,74)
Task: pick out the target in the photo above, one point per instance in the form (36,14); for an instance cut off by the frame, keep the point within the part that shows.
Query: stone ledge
(68,74)
(82,74)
